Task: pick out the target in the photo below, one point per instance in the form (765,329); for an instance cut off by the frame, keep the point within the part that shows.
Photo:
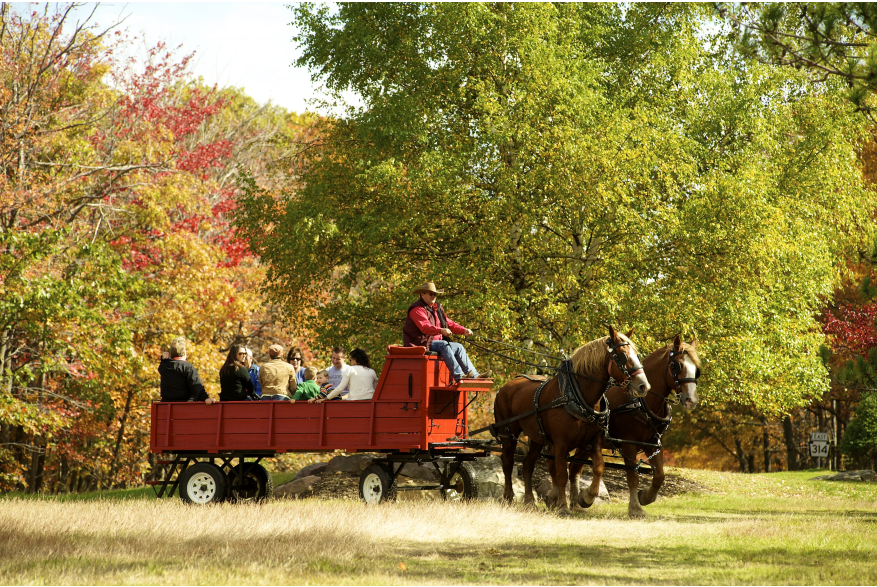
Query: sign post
(819,446)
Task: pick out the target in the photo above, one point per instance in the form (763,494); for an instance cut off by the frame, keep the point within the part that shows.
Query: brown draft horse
(674,368)
(592,364)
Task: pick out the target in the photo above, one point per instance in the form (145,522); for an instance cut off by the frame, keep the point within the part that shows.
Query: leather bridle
(675,369)
(621,361)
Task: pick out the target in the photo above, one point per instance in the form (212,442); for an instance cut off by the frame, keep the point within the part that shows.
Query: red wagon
(416,415)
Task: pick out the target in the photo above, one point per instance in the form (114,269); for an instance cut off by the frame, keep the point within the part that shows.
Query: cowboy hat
(427,287)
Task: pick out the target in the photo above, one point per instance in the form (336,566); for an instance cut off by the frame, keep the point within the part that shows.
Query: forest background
(554,168)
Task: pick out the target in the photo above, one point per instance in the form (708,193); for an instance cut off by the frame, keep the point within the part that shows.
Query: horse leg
(527,468)
(598,466)
(649,496)
(551,496)
(575,471)
(509,444)
(561,450)
(634,509)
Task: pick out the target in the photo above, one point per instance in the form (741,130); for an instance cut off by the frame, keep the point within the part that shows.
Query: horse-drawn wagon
(213,452)
(418,415)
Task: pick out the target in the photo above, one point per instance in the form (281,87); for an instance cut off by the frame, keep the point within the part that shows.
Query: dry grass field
(749,529)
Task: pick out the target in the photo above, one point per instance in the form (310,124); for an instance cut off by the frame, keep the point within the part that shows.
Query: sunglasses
(295,359)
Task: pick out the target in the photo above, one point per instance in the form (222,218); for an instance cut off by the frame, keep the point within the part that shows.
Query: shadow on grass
(639,564)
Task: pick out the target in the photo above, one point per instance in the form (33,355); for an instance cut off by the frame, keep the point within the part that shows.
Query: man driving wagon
(428,325)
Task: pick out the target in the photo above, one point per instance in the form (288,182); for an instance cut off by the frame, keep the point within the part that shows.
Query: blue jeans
(455,358)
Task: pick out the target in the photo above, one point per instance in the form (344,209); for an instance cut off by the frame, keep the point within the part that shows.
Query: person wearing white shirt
(360,379)
(338,370)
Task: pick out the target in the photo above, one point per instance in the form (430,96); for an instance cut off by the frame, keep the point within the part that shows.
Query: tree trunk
(751,460)
(791,445)
(765,444)
(121,435)
(741,456)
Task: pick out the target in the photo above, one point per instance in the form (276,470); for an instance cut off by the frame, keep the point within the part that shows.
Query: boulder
(864,475)
(584,484)
(419,472)
(490,479)
(296,487)
(354,464)
(314,469)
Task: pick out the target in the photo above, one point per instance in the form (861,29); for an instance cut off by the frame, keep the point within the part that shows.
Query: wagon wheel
(376,485)
(458,482)
(257,484)
(203,483)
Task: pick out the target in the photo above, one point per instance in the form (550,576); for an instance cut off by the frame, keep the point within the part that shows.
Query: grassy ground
(777,528)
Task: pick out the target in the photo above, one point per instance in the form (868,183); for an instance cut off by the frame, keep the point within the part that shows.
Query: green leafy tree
(558,167)
(824,38)
(860,440)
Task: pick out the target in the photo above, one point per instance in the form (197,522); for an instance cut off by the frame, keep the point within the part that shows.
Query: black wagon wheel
(256,485)
(458,482)
(376,485)
(203,483)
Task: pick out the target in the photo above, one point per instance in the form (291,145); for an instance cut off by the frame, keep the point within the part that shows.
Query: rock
(419,472)
(490,479)
(584,484)
(296,487)
(355,464)
(864,475)
(314,469)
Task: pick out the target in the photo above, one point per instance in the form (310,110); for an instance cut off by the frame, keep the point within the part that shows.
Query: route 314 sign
(819,444)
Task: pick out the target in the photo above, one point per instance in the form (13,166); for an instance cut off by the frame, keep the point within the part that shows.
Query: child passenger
(323,381)
(309,389)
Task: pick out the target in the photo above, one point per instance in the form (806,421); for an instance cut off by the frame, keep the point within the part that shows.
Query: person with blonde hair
(309,389)
(179,379)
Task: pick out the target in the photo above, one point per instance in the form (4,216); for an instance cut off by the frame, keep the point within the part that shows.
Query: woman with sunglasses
(295,358)
(234,377)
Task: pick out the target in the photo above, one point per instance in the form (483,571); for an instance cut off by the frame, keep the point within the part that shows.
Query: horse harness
(640,410)
(571,395)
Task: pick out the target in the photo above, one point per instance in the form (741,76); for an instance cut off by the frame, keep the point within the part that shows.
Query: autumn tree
(118,188)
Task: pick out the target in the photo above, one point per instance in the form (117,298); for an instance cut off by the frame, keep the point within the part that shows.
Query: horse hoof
(529,500)
(637,514)
(564,513)
(582,503)
(641,496)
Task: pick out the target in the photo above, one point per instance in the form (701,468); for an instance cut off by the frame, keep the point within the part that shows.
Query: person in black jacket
(179,379)
(234,378)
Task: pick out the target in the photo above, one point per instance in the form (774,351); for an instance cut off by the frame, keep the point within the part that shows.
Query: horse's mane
(688,349)
(591,355)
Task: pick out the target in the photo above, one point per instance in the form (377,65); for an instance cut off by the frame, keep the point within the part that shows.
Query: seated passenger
(326,386)
(295,358)
(179,379)
(234,377)
(253,368)
(338,369)
(277,376)
(360,379)
(309,389)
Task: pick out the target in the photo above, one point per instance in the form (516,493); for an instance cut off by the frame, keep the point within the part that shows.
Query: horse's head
(683,370)
(624,364)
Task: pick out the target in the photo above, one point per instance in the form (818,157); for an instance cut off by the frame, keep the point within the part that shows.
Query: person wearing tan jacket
(277,376)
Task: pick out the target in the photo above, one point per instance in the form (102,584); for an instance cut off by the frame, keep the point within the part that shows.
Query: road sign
(819,436)
(818,448)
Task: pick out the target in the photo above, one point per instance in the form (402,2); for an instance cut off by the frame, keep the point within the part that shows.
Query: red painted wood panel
(388,421)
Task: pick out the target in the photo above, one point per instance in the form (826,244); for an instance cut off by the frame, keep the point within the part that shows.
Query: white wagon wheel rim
(201,488)
(372,488)
(455,489)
